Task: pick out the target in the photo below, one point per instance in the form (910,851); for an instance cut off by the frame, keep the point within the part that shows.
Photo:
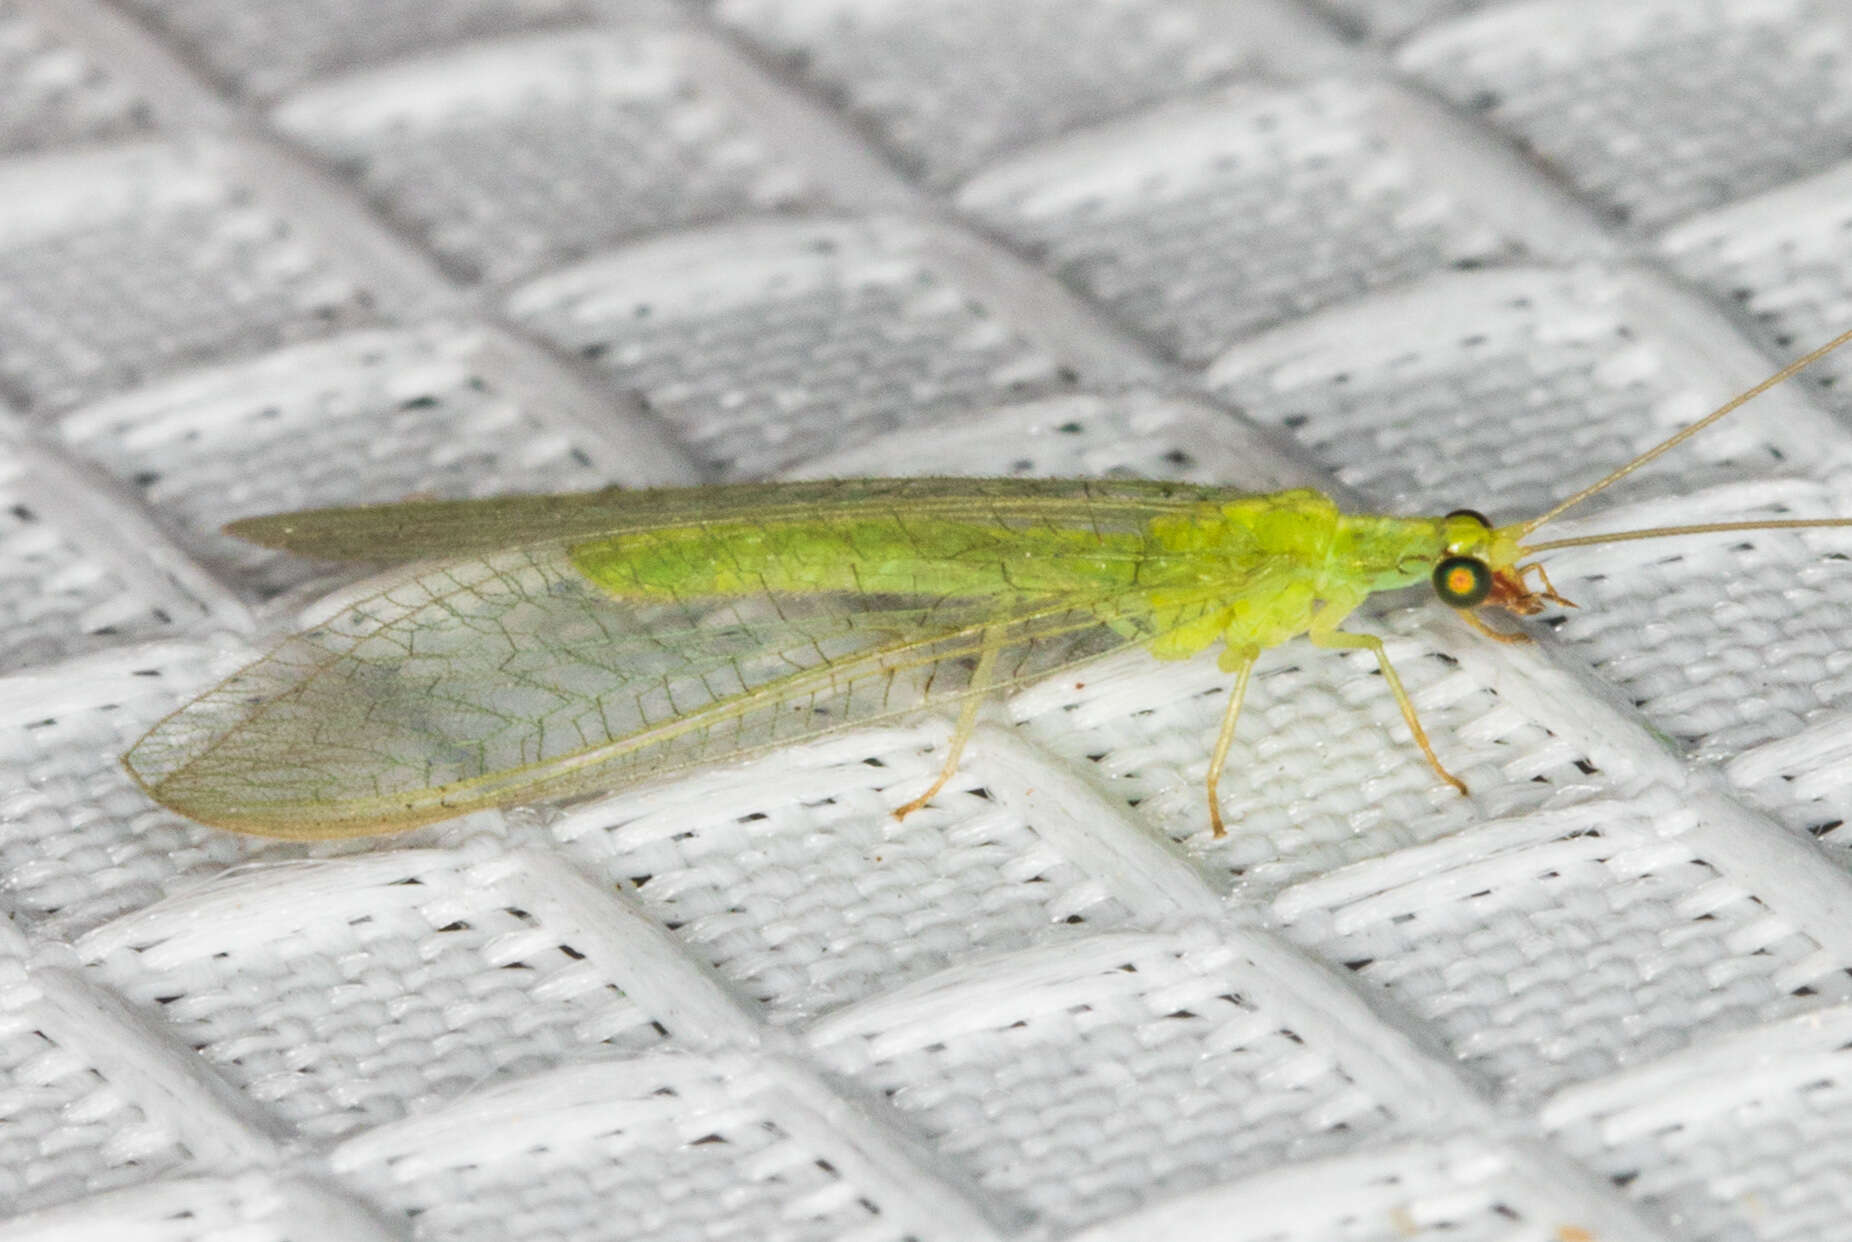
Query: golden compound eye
(1462,581)
(1474,514)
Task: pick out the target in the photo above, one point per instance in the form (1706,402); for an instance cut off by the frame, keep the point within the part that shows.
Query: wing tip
(198,801)
(269,530)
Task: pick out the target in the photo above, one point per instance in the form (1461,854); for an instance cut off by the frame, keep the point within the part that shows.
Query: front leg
(1324,632)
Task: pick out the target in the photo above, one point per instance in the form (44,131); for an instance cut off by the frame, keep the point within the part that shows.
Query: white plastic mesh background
(1422,253)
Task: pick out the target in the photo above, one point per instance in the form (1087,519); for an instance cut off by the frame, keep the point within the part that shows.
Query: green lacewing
(537,647)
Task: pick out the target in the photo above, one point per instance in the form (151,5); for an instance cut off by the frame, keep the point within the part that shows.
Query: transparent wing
(509,677)
(426,530)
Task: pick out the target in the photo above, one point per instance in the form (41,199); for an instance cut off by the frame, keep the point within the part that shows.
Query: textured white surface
(1424,254)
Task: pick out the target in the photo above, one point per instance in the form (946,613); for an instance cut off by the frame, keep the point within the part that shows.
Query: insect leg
(1549,588)
(1478,623)
(1324,633)
(1226,737)
(967,722)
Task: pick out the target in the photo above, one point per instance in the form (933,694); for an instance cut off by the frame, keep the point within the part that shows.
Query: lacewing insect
(542,646)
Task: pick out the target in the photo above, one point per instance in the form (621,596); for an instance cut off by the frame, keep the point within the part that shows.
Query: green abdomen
(928,557)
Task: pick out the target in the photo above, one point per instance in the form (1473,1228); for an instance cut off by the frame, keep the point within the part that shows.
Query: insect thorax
(1370,552)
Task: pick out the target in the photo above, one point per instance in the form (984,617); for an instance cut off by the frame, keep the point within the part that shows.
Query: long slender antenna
(1702,528)
(1673,441)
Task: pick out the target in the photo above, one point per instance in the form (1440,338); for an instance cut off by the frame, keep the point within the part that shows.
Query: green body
(1246,571)
(547,645)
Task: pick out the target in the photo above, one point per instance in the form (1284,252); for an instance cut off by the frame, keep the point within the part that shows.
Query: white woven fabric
(1422,254)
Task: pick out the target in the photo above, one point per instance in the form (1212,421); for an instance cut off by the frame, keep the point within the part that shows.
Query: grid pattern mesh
(1423,255)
